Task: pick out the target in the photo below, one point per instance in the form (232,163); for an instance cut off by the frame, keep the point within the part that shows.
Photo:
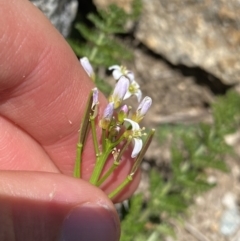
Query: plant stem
(108,173)
(77,167)
(101,160)
(95,49)
(94,135)
(116,163)
(127,180)
(103,140)
(140,156)
(84,128)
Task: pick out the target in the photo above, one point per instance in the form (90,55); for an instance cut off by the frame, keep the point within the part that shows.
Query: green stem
(95,49)
(103,140)
(77,167)
(119,140)
(108,173)
(140,156)
(115,164)
(83,132)
(94,135)
(127,180)
(101,160)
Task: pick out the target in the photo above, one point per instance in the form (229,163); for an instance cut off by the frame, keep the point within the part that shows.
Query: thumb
(54,207)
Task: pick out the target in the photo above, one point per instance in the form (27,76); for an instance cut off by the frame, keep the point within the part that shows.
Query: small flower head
(134,89)
(142,109)
(119,71)
(87,67)
(107,116)
(136,134)
(119,91)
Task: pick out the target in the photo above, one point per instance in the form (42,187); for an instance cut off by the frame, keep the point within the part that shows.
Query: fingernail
(90,222)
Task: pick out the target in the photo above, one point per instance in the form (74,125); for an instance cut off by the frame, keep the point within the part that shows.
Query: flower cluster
(119,124)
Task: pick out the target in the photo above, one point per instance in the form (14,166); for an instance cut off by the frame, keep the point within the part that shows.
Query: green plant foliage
(194,149)
(99,42)
(132,222)
(226,113)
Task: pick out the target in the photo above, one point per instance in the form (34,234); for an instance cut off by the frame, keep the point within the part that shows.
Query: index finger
(43,87)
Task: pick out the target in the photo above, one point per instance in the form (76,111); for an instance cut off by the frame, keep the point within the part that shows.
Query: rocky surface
(60,12)
(125,4)
(199,33)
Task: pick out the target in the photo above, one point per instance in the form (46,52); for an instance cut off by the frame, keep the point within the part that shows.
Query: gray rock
(60,12)
(230,219)
(195,33)
(230,222)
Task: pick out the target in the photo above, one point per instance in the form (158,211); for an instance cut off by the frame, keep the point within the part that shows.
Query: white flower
(136,134)
(87,67)
(119,91)
(118,71)
(134,88)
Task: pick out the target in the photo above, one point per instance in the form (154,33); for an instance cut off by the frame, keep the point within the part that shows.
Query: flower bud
(107,116)
(94,103)
(87,67)
(114,132)
(123,113)
(119,91)
(95,97)
(142,109)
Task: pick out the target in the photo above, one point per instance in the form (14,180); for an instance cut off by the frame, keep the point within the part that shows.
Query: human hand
(42,100)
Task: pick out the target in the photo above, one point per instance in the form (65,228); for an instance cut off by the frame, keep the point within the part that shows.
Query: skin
(43,91)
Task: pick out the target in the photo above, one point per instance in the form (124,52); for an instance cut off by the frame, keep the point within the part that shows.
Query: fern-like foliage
(99,42)
(132,221)
(194,149)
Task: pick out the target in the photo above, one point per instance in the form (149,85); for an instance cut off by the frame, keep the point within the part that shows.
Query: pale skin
(43,91)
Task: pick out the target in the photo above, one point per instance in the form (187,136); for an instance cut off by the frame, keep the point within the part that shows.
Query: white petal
(135,125)
(113,67)
(87,66)
(117,74)
(137,147)
(139,95)
(135,84)
(144,105)
(108,112)
(130,75)
(95,96)
(127,95)
(121,88)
